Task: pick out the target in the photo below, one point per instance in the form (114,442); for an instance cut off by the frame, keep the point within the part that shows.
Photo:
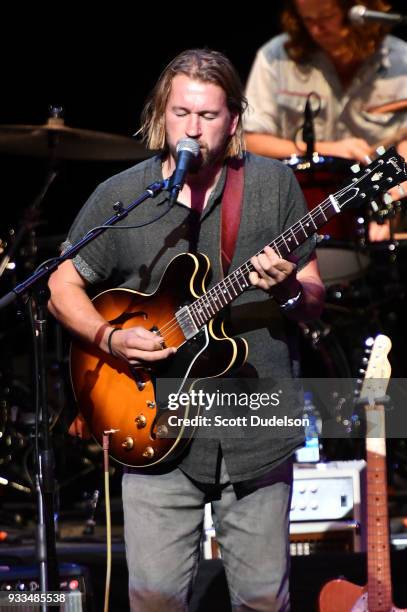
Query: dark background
(100,65)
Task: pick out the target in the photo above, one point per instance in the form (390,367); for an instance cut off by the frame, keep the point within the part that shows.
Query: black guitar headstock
(370,182)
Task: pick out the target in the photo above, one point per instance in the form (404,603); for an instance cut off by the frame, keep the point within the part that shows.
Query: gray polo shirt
(277,88)
(137,258)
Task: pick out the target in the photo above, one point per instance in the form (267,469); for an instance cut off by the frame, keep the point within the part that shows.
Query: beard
(206,157)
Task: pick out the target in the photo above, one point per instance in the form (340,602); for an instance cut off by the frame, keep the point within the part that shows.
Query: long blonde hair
(203,65)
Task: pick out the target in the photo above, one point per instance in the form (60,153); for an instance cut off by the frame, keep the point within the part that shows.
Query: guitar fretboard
(379,574)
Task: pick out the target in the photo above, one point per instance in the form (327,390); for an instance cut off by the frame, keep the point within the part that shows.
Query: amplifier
(74,581)
(325,512)
(327,491)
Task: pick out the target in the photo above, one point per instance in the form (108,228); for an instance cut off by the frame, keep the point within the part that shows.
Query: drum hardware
(12,440)
(308,131)
(89,528)
(299,163)
(30,220)
(66,143)
(15,485)
(314,331)
(324,356)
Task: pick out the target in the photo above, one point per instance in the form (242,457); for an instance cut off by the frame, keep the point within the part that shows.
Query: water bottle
(309,453)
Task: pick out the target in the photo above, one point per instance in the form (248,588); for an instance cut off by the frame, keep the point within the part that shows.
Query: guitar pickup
(186,322)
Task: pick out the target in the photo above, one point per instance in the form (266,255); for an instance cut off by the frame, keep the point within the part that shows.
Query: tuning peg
(361,371)
(380,150)
(355,168)
(387,199)
(367,159)
(374,206)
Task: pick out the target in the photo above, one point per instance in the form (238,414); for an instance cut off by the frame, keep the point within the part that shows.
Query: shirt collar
(214,197)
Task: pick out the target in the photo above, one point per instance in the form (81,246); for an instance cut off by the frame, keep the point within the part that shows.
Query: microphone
(308,132)
(359,15)
(187,149)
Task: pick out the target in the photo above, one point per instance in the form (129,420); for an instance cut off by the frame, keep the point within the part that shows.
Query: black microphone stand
(36,287)
(308,132)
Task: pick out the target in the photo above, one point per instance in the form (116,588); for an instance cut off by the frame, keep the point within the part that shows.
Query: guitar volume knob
(140,421)
(128,443)
(148,452)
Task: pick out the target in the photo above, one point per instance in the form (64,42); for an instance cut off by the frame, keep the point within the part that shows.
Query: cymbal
(57,140)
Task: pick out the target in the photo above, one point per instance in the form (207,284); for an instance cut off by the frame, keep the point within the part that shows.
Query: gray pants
(163,519)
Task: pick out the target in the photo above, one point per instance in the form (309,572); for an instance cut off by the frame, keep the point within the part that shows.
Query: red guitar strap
(231,210)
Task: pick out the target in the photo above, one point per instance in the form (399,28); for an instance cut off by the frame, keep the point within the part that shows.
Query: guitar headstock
(378,370)
(386,171)
(374,375)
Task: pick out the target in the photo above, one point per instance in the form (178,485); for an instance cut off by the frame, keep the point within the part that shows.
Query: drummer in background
(355,70)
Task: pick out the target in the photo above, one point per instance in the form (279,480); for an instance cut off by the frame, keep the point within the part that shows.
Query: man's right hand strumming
(138,345)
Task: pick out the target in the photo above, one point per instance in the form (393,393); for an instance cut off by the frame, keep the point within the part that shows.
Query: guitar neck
(233,285)
(378,554)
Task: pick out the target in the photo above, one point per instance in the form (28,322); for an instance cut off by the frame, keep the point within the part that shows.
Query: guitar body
(127,400)
(343,596)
